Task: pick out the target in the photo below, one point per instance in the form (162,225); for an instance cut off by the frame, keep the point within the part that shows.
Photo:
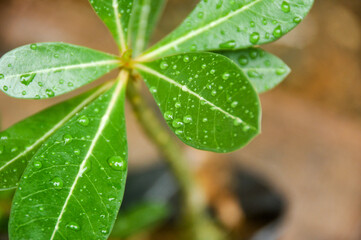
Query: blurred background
(299,180)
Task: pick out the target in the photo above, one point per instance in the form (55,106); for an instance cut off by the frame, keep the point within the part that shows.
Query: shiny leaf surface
(77,192)
(206,100)
(263,69)
(19,143)
(223,25)
(47,70)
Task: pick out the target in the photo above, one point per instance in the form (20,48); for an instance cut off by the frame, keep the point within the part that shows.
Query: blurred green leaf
(206,100)
(47,70)
(74,185)
(263,69)
(19,143)
(141,217)
(143,21)
(229,24)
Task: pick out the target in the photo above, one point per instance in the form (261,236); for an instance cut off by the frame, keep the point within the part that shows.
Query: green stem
(194,202)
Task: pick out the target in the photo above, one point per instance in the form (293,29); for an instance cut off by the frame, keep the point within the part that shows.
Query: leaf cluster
(69,162)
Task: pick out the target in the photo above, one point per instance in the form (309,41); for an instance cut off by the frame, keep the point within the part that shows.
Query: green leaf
(143,21)
(19,143)
(78,190)
(230,24)
(116,16)
(47,70)
(263,69)
(205,98)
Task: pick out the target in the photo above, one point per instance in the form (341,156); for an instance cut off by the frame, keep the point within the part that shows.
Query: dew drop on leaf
(49,92)
(37,164)
(234,104)
(57,183)
(237,122)
(1,76)
(164,65)
(185,59)
(26,79)
(117,163)
(33,46)
(277,32)
(73,226)
(67,138)
(225,76)
(297,20)
(228,45)
(177,104)
(280,71)
(153,89)
(243,60)
(187,119)
(254,37)
(1,149)
(285,6)
(83,120)
(177,123)
(168,115)
(205,120)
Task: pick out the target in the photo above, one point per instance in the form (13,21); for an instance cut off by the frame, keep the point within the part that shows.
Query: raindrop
(117,163)
(73,226)
(254,37)
(226,75)
(200,15)
(177,123)
(205,120)
(193,48)
(2,76)
(38,164)
(277,32)
(26,79)
(153,89)
(185,59)
(285,6)
(219,4)
(237,122)
(77,152)
(187,119)
(254,74)
(234,104)
(49,92)
(228,45)
(67,138)
(83,120)
(177,104)
(243,60)
(168,115)
(280,71)
(33,46)
(58,183)
(297,20)
(1,149)
(214,93)
(164,65)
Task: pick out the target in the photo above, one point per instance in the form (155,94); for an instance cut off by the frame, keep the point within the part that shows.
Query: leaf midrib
(157,51)
(118,23)
(58,125)
(171,81)
(120,85)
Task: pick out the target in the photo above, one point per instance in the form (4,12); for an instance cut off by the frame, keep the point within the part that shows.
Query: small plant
(69,162)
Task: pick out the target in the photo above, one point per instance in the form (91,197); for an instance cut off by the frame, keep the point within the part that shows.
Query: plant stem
(196,218)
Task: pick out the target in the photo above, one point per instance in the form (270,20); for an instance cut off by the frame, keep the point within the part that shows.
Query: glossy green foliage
(47,70)
(138,218)
(263,69)
(206,100)
(144,19)
(116,16)
(19,143)
(73,186)
(232,24)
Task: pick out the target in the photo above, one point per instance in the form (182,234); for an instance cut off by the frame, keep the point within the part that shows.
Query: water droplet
(57,183)
(185,59)
(26,79)
(177,123)
(213,71)
(168,115)
(226,75)
(254,37)
(67,138)
(56,55)
(214,93)
(14,149)
(2,148)
(228,45)
(254,74)
(117,163)
(179,132)
(153,90)
(237,122)
(243,60)
(23,93)
(177,104)
(164,65)
(277,32)
(204,66)
(234,104)
(2,76)
(83,120)
(297,20)
(280,71)
(187,119)
(205,120)
(193,48)
(49,92)
(33,46)
(219,4)
(77,152)
(285,6)
(200,15)
(73,226)
(38,164)
(252,23)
